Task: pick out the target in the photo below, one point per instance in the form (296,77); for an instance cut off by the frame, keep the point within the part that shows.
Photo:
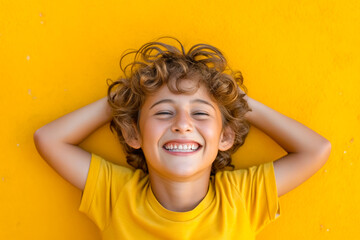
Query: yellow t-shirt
(120,202)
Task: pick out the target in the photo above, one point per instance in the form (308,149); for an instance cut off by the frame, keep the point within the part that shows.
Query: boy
(179,117)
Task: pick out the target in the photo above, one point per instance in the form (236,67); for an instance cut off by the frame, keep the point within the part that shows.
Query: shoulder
(109,171)
(264,169)
(247,180)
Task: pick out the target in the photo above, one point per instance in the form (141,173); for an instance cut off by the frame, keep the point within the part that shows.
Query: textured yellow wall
(299,57)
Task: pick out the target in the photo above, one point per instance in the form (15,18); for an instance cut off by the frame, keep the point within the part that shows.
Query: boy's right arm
(57,141)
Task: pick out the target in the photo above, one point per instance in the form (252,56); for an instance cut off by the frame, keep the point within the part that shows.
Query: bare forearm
(291,135)
(74,127)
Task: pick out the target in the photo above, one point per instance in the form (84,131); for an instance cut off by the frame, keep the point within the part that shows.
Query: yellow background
(299,57)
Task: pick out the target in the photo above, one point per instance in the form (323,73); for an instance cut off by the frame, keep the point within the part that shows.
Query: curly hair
(169,65)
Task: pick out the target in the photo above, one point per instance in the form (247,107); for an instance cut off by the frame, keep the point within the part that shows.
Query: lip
(182,141)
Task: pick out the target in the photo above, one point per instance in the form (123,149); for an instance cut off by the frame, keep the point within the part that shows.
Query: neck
(179,196)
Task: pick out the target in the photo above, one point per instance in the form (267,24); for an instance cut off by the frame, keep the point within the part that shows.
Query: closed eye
(201,114)
(163,113)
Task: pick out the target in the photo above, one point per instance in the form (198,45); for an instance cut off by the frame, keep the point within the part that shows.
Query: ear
(227,139)
(134,139)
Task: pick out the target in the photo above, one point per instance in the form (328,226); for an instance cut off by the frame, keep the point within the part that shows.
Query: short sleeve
(103,183)
(257,186)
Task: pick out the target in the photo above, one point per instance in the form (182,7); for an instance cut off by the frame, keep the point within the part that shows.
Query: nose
(182,123)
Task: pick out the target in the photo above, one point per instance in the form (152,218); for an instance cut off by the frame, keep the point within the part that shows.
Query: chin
(185,173)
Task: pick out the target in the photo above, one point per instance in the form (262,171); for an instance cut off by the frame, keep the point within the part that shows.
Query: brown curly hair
(168,65)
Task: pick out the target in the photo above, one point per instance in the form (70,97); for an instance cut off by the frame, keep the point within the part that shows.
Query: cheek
(211,132)
(151,133)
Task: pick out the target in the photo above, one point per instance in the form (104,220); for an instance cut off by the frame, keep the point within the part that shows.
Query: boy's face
(180,134)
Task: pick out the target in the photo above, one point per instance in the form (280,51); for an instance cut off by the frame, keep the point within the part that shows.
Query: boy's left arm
(307,150)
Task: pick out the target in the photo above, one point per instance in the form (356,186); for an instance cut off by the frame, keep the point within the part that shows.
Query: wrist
(250,114)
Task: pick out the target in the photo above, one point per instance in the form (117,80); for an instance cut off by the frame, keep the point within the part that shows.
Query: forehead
(198,93)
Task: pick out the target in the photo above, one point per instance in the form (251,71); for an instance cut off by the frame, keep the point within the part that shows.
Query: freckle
(65,89)
(34,97)
(344,152)
(28,58)
(328,229)
(3,179)
(41,22)
(29,91)
(325,170)
(351,140)
(17,145)
(40,14)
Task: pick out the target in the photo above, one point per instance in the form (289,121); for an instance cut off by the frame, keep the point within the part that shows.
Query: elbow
(327,146)
(42,144)
(37,139)
(37,136)
(40,140)
(324,151)
(42,135)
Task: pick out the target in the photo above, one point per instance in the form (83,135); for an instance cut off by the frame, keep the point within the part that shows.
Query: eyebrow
(192,101)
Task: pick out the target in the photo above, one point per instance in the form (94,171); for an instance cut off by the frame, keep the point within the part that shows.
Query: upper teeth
(175,146)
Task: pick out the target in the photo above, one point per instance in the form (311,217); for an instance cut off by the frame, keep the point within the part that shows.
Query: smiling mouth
(182,147)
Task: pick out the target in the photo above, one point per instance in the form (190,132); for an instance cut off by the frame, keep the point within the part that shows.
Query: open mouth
(182,147)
